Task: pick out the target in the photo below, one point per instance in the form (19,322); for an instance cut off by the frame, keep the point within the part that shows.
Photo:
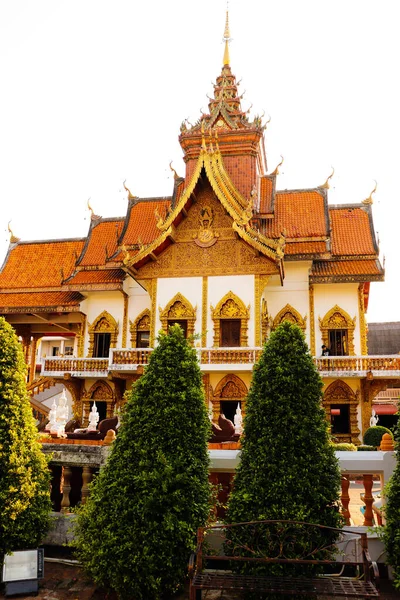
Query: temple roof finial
(226,39)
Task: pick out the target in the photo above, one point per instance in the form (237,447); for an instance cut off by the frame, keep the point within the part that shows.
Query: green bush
(391,531)
(24,475)
(365,448)
(344,447)
(288,468)
(138,527)
(373,435)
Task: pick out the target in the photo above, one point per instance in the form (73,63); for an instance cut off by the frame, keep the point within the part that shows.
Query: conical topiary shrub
(391,530)
(138,527)
(24,475)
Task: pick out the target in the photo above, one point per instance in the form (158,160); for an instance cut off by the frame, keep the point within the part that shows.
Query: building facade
(228,256)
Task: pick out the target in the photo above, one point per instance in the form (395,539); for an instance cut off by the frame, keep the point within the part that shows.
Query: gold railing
(220,356)
(69,364)
(135,356)
(358,363)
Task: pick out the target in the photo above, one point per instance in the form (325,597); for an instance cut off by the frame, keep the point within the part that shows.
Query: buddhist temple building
(229,256)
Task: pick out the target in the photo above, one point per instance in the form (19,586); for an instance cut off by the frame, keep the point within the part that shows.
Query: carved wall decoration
(141,323)
(81,337)
(363,323)
(230,307)
(104,323)
(178,308)
(339,392)
(312,320)
(206,236)
(288,313)
(100,391)
(260,281)
(231,387)
(337,318)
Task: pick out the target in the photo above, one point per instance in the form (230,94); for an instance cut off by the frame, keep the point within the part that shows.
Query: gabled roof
(39,301)
(352,230)
(299,213)
(102,241)
(39,264)
(346,270)
(96,277)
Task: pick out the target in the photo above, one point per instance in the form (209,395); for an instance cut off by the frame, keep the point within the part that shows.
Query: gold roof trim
(261,243)
(146,250)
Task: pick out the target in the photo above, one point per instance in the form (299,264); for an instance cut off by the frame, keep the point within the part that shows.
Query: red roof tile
(292,248)
(345,267)
(351,232)
(39,264)
(142,221)
(300,213)
(108,276)
(266,193)
(38,299)
(102,242)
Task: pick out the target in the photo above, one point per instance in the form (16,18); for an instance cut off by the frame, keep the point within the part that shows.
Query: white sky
(94,91)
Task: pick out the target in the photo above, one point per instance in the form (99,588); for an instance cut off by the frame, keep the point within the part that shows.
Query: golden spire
(226,39)
(369,199)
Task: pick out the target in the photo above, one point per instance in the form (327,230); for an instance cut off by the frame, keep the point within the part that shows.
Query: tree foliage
(137,530)
(373,435)
(288,469)
(24,476)
(392,514)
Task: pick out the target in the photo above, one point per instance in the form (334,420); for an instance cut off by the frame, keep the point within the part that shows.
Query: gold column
(363,324)
(153,298)
(204,313)
(260,281)
(312,320)
(32,365)
(81,337)
(125,320)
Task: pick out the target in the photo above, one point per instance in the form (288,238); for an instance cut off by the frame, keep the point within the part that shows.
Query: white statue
(51,425)
(93,418)
(238,420)
(374,419)
(62,415)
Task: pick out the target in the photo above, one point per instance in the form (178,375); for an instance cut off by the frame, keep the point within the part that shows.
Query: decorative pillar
(32,366)
(66,488)
(368,499)
(204,313)
(87,476)
(153,298)
(345,499)
(312,320)
(125,320)
(363,324)
(81,337)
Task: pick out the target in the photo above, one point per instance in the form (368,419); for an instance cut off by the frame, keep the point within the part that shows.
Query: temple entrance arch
(103,334)
(340,404)
(179,310)
(101,393)
(229,391)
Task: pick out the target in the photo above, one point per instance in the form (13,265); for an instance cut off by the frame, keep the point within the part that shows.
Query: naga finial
(159,219)
(127,256)
(130,195)
(176,176)
(276,172)
(369,199)
(325,185)
(90,208)
(13,238)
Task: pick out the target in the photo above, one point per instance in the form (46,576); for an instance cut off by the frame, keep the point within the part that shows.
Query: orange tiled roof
(300,213)
(351,231)
(325,268)
(266,194)
(38,299)
(39,264)
(292,248)
(102,242)
(141,226)
(106,276)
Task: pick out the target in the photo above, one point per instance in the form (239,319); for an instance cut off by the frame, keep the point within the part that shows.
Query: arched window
(337,329)
(340,404)
(103,335)
(140,330)
(231,319)
(179,310)
(288,313)
(101,393)
(229,392)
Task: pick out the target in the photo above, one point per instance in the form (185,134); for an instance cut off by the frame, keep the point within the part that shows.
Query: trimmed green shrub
(24,475)
(391,531)
(365,448)
(345,447)
(373,435)
(288,468)
(138,527)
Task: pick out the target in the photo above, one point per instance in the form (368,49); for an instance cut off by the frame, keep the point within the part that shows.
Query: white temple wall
(345,295)
(295,291)
(96,303)
(189,287)
(139,300)
(243,287)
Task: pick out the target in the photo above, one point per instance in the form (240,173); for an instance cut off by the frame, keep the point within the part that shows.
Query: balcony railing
(130,359)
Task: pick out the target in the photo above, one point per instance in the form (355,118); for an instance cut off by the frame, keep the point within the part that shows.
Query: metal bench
(283,557)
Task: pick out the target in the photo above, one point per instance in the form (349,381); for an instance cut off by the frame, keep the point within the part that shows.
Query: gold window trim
(339,392)
(100,391)
(230,387)
(104,323)
(288,313)
(337,318)
(178,308)
(231,307)
(141,323)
